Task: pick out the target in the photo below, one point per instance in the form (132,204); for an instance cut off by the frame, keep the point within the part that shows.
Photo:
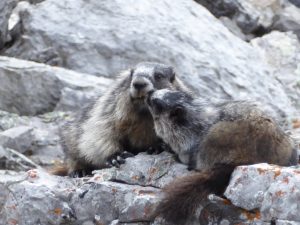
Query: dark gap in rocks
(261,31)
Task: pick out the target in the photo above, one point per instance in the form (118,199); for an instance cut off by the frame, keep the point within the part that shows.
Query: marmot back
(117,121)
(213,139)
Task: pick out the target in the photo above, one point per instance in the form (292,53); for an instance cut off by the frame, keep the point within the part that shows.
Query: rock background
(58,55)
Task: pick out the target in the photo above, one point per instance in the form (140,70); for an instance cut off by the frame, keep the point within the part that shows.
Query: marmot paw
(118,158)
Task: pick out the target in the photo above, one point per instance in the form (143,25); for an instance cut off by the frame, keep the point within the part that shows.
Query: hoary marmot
(118,121)
(213,139)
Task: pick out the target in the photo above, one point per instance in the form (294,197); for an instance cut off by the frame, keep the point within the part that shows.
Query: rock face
(118,196)
(6,7)
(288,20)
(29,88)
(218,64)
(250,16)
(275,192)
(257,17)
(282,52)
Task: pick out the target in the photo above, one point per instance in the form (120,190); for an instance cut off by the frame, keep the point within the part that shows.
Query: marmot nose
(139,85)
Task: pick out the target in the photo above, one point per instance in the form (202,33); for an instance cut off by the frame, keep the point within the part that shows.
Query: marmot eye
(177,112)
(158,76)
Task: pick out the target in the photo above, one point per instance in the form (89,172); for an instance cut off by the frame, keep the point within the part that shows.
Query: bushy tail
(184,195)
(59,170)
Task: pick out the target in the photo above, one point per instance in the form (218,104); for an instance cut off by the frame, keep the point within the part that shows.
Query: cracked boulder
(29,88)
(273,190)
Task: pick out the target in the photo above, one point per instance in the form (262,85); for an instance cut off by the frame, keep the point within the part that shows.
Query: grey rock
(217,63)
(10,120)
(13,160)
(250,16)
(41,141)
(58,200)
(6,7)
(270,189)
(286,222)
(18,138)
(282,52)
(63,200)
(295,2)
(154,171)
(288,20)
(30,88)
(234,28)
(117,222)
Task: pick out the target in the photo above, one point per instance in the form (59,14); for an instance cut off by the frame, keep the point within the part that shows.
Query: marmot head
(175,118)
(147,77)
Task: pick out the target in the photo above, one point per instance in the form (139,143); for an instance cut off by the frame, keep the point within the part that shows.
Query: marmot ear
(178,115)
(173,75)
(177,112)
(131,72)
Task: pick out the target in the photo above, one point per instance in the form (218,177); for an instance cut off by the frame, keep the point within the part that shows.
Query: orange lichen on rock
(13,221)
(136,177)
(252,215)
(11,207)
(297,172)
(296,123)
(261,171)
(285,180)
(32,173)
(144,192)
(277,172)
(57,211)
(279,193)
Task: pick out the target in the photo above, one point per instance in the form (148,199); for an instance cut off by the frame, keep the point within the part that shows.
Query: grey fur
(196,124)
(119,120)
(213,139)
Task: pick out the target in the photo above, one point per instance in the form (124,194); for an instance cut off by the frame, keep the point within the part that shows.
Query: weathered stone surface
(288,20)
(154,171)
(37,135)
(271,189)
(234,28)
(218,64)
(282,52)
(6,7)
(10,120)
(30,88)
(249,15)
(18,138)
(295,2)
(13,160)
(59,200)
(111,198)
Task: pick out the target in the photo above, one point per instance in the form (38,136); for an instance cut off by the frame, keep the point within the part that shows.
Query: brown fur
(186,193)
(213,139)
(59,170)
(117,121)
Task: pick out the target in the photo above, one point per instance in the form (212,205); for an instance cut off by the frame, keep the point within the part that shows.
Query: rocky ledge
(257,194)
